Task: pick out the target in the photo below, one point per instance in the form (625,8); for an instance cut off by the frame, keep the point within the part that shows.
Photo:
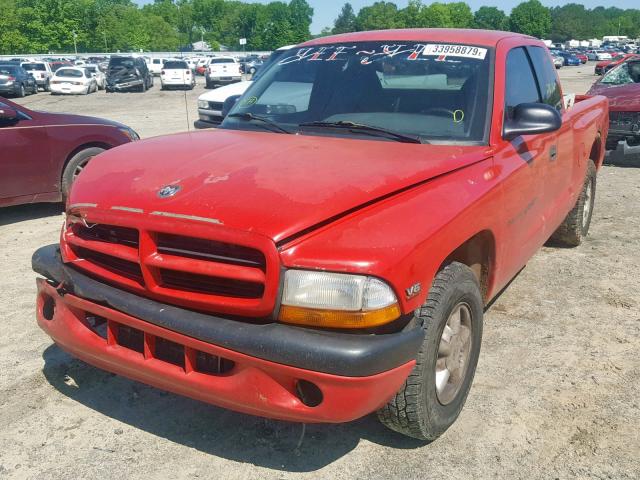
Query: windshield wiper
(250,117)
(366,129)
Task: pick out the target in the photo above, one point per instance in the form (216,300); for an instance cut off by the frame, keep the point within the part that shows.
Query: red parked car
(582,57)
(606,65)
(330,250)
(622,87)
(42,153)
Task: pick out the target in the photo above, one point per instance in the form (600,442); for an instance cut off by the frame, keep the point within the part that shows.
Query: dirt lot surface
(556,394)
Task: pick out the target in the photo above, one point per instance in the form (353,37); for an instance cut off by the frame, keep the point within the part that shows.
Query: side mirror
(8,115)
(229,103)
(531,119)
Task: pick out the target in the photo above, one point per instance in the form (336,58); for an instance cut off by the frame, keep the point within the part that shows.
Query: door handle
(553,153)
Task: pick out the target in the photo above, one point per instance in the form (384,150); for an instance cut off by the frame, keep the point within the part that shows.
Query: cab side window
(521,85)
(547,77)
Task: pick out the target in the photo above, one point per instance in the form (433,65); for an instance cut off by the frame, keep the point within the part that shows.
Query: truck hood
(273,184)
(622,98)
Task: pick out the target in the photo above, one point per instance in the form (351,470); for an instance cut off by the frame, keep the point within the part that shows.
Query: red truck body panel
(392,210)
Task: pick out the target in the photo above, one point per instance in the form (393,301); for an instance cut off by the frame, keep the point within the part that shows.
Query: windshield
(436,92)
(628,72)
(69,72)
(91,69)
(222,60)
(34,66)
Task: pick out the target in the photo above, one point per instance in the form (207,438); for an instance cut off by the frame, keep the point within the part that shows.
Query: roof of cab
(488,38)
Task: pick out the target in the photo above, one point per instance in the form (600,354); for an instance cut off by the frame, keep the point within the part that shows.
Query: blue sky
(327,10)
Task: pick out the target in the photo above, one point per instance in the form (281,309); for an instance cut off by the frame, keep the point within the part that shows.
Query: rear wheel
(21,91)
(575,226)
(75,166)
(435,392)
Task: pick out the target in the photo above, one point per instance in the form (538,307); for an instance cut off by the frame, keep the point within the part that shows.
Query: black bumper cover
(351,355)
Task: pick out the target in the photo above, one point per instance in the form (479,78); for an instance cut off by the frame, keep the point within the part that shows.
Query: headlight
(131,133)
(336,300)
(203,104)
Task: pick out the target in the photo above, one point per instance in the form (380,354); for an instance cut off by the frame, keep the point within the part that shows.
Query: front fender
(406,238)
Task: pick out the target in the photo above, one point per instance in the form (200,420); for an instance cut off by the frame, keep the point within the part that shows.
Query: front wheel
(21,91)
(575,226)
(75,166)
(435,392)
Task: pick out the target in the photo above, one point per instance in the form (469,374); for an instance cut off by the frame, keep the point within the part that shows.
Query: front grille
(113,264)
(216,106)
(108,233)
(205,284)
(205,249)
(199,273)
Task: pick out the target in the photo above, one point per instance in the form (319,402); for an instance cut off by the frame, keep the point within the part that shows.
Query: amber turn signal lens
(312,317)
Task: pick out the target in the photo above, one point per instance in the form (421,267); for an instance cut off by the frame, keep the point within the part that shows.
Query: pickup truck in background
(320,260)
(222,71)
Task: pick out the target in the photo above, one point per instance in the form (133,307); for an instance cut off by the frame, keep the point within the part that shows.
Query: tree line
(571,21)
(44,26)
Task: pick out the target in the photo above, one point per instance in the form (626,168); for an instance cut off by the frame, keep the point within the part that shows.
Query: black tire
(575,226)
(79,160)
(417,410)
(21,92)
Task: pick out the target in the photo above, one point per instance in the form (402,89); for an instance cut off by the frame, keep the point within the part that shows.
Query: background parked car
(155,65)
(223,70)
(73,81)
(606,65)
(558,61)
(101,78)
(621,86)
(16,81)
(210,104)
(581,56)
(177,73)
(40,163)
(41,71)
(128,73)
(569,59)
(55,65)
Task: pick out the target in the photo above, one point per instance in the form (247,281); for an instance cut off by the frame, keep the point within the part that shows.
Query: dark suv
(128,73)
(16,81)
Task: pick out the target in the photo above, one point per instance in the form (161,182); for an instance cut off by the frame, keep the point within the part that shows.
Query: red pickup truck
(330,250)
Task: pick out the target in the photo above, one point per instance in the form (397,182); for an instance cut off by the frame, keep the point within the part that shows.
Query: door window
(547,77)
(521,86)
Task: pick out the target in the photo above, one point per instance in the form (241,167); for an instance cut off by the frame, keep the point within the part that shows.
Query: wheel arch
(597,151)
(478,253)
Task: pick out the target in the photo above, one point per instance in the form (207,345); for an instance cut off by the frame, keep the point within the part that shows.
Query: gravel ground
(556,393)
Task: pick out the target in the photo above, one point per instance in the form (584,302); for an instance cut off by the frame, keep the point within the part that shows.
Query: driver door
(24,156)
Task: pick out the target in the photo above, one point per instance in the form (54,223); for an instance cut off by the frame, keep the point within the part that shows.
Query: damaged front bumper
(271,370)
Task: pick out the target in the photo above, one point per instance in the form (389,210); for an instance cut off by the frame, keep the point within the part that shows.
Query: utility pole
(619,21)
(75,43)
